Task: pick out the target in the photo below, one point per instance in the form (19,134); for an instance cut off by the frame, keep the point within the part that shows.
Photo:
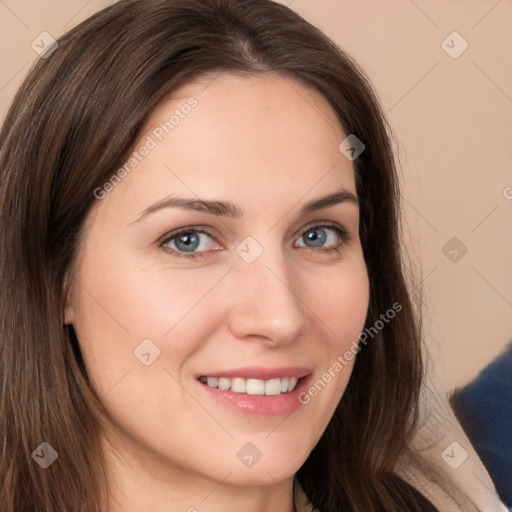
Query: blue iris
(316,236)
(190,241)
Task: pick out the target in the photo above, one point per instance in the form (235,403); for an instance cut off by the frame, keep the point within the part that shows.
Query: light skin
(269,145)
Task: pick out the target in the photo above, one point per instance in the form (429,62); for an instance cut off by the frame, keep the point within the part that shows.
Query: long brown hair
(71,126)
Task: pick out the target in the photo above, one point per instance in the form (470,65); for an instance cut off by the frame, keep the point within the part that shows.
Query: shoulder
(484,408)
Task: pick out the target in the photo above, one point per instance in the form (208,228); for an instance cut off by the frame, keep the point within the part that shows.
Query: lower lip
(259,405)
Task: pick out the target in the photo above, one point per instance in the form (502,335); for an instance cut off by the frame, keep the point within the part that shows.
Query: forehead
(266,108)
(239,137)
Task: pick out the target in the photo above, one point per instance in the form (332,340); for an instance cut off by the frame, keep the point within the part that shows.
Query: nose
(265,305)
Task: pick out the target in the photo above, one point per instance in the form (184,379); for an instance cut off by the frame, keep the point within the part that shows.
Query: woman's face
(251,301)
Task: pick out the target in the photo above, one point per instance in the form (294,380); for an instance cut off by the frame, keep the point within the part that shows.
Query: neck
(146,484)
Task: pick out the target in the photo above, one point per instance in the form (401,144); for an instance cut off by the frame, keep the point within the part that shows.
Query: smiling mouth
(269,387)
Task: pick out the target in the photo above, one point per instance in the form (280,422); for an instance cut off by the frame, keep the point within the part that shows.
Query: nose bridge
(265,303)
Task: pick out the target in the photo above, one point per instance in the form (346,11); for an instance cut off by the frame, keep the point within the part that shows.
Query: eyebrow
(227,209)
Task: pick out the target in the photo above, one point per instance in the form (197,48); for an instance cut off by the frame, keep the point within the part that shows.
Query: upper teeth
(252,386)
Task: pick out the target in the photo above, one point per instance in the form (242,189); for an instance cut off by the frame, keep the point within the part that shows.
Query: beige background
(453,120)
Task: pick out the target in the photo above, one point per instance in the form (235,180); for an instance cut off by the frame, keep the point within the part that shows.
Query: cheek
(133,302)
(340,300)
(128,314)
(339,303)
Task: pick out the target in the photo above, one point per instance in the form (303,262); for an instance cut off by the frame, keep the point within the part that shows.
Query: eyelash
(341,232)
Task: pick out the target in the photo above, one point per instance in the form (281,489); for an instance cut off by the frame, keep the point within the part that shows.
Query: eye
(192,242)
(322,235)
(188,240)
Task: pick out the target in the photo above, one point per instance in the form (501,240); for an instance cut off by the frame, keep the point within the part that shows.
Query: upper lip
(261,373)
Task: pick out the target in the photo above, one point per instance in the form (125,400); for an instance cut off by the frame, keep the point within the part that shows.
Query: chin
(267,471)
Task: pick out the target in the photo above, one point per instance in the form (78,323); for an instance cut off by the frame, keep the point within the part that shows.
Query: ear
(68,315)
(68,309)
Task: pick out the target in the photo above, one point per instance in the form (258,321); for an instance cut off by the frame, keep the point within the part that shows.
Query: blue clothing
(484,408)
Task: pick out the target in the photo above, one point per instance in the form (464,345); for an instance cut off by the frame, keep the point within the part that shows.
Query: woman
(204,306)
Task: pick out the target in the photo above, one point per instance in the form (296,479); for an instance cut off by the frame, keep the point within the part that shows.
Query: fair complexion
(269,145)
